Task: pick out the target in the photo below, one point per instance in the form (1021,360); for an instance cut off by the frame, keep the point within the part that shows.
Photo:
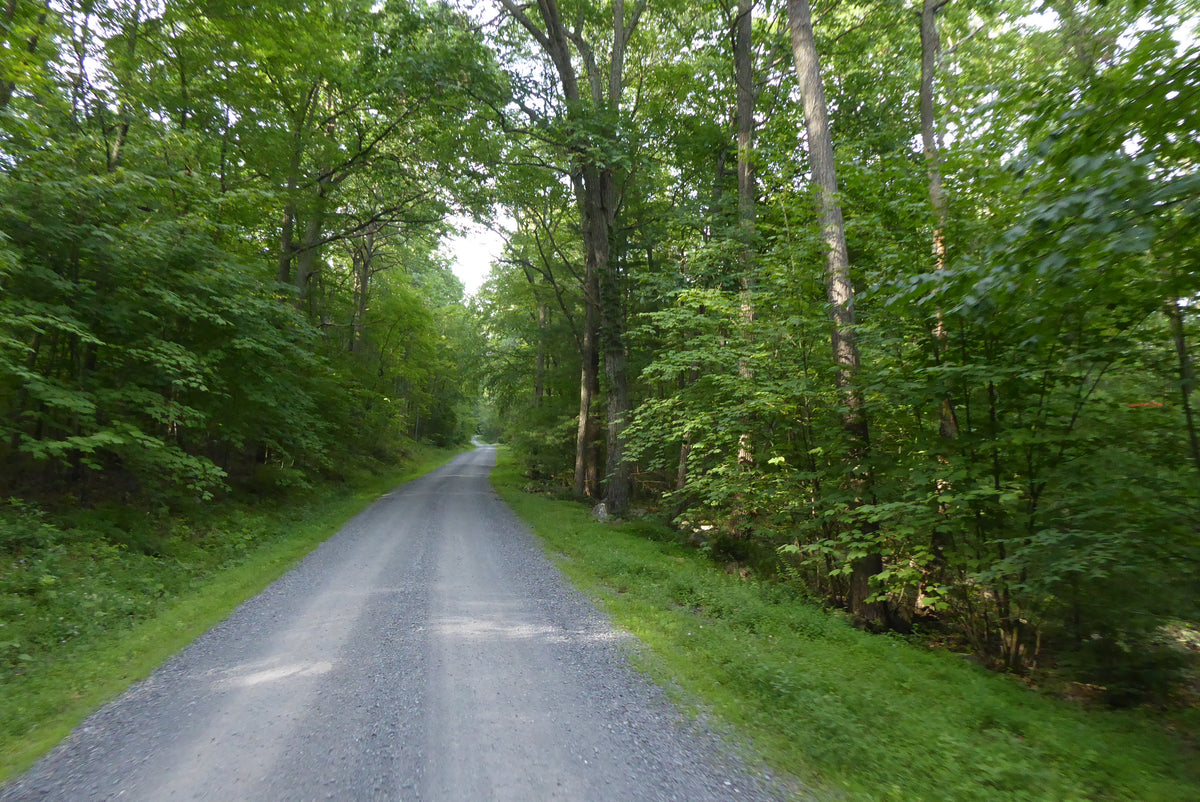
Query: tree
(840,292)
(591,121)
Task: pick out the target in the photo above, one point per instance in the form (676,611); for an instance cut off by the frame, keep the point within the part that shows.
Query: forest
(892,301)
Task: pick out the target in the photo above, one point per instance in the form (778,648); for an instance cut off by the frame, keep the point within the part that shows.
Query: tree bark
(362,259)
(287,245)
(840,294)
(539,388)
(595,191)
(309,253)
(1187,376)
(743,58)
(618,488)
(587,452)
(931,45)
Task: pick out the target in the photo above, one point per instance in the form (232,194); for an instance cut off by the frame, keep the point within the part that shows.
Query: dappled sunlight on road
(485,628)
(292,671)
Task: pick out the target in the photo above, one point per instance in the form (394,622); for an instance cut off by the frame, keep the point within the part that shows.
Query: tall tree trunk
(618,485)
(539,387)
(287,245)
(553,38)
(309,254)
(587,447)
(596,197)
(587,451)
(604,325)
(931,45)
(1187,376)
(840,293)
(743,58)
(618,488)
(362,259)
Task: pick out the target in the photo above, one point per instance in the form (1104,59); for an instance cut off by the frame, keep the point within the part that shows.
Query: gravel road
(428,651)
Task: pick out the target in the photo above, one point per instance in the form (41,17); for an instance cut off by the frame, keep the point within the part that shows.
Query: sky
(473,252)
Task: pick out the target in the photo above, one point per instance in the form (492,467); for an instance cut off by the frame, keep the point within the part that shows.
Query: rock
(600,512)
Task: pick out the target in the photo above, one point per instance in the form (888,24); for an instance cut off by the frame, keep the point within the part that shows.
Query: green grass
(81,619)
(849,714)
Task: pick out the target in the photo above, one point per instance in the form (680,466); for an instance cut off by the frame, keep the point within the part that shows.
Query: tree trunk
(840,293)
(940,538)
(596,197)
(287,245)
(552,36)
(930,47)
(116,149)
(539,388)
(362,260)
(587,455)
(309,254)
(743,58)
(1187,376)
(681,472)
(618,488)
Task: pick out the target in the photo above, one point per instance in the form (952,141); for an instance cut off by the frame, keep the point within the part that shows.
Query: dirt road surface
(428,651)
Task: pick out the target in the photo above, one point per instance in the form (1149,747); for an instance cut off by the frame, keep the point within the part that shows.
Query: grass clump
(854,715)
(93,600)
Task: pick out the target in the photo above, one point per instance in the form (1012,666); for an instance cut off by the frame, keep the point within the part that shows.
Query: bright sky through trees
(473,251)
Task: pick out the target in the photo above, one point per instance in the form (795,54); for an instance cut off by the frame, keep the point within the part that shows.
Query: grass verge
(108,615)
(852,715)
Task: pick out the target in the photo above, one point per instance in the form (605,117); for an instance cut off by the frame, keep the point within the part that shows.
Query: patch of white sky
(476,247)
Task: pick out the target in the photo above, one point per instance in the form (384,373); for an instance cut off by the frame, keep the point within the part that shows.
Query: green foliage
(117,368)
(164,335)
(1030,485)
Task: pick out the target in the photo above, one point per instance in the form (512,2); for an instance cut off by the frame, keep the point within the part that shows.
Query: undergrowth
(852,715)
(92,600)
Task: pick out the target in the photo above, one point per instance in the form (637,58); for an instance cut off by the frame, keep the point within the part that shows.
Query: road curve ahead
(428,651)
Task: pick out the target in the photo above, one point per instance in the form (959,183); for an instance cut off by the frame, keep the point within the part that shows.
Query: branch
(518,13)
